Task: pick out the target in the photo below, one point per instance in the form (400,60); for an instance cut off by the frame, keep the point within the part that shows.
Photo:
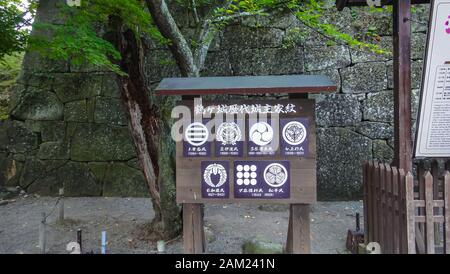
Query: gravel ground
(228,225)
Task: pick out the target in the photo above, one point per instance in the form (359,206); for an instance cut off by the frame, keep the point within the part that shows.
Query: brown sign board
(262,151)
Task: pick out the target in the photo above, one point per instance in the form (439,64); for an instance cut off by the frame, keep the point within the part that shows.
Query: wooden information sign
(433,125)
(249,150)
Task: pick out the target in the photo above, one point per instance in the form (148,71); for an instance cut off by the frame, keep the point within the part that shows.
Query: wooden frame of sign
(200,172)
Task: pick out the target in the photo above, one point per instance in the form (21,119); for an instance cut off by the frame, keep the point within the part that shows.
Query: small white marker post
(161,246)
(73,247)
(103,242)
(42,234)
(61,205)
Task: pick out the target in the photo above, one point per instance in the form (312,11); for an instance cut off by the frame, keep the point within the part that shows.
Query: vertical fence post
(389,229)
(420,227)
(436,196)
(429,214)
(366,200)
(376,209)
(382,212)
(410,213)
(42,233)
(370,203)
(396,236)
(447,212)
(403,212)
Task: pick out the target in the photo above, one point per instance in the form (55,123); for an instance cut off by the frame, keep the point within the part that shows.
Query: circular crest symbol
(275,175)
(229,133)
(261,133)
(196,134)
(294,133)
(215,169)
(447,25)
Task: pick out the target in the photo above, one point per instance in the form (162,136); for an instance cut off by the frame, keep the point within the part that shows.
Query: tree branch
(194,10)
(207,34)
(178,45)
(210,30)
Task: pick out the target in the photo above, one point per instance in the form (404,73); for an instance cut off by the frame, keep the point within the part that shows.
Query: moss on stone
(77,86)
(19,138)
(76,111)
(98,142)
(260,247)
(99,170)
(109,111)
(124,181)
(53,151)
(35,104)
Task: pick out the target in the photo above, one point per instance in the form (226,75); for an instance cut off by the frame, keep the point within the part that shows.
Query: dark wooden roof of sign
(245,85)
(341,4)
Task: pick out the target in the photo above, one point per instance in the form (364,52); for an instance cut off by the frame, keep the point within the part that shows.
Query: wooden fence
(405,215)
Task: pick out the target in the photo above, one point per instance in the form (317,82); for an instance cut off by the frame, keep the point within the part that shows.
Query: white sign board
(433,125)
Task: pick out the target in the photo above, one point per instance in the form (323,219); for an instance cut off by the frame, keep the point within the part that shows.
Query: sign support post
(193,229)
(298,236)
(194,241)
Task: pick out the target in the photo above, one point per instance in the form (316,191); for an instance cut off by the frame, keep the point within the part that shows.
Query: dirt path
(122,218)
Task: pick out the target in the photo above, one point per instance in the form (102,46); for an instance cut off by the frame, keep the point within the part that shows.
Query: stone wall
(68,125)
(67,128)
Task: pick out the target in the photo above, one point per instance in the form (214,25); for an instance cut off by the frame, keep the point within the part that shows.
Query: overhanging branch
(169,29)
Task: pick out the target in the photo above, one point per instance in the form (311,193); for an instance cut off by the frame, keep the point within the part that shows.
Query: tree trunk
(149,134)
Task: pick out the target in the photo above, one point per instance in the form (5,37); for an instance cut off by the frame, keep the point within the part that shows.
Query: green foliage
(10,67)
(293,36)
(196,3)
(78,39)
(9,70)
(310,13)
(15,17)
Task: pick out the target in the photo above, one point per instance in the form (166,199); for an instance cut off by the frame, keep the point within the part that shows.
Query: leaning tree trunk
(149,133)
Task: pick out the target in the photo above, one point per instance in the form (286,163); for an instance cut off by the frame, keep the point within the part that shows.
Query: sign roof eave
(245,85)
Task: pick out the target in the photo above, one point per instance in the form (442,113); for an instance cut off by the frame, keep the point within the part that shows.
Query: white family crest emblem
(246,175)
(215,169)
(261,133)
(275,175)
(229,133)
(294,133)
(196,134)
